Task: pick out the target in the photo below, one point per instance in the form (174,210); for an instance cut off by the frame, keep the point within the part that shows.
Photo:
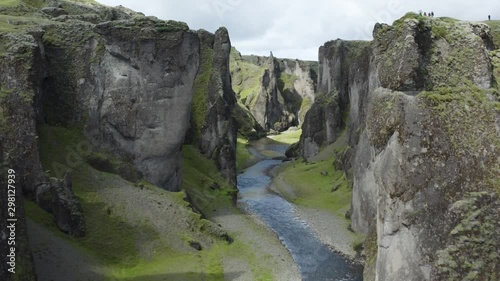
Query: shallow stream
(316,262)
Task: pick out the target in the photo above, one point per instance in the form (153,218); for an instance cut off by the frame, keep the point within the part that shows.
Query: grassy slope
(130,245)
(246,77)
(244,158)
(288,137)
(495,30)
(312,189)
(9,3)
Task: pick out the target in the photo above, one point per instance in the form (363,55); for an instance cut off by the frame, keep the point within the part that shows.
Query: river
(316,262)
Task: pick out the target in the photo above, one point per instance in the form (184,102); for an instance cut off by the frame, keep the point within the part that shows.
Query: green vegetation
(203,182)
(288,137)
(453,66)
(495,59)
(473,241)
(495,31)
(468,114)
(201,85)
(440,31)
(247,126)
(108,237)
(398,24)
(9,3)
(10,23)
(371,250)
(246,77)
(312,189)
(244,158)
(118,240)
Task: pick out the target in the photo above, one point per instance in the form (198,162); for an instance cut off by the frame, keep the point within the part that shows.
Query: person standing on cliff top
(489,17)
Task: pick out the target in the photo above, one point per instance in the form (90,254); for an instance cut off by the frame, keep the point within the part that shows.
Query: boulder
(65,207)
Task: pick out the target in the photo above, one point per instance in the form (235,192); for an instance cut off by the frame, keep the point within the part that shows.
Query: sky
(296,29)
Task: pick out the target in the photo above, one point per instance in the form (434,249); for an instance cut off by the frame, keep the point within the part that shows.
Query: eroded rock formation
(123,80)
(424,122)
(276,92)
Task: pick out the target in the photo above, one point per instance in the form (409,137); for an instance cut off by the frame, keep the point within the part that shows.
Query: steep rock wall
(135,97)
(18,148)
(424,124)
(277,92)
(340,62)
(124,79)
(213,126)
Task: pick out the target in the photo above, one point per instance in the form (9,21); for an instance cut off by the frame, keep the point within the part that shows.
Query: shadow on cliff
(186,277)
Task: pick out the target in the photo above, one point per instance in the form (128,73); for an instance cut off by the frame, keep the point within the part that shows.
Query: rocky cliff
(18,148)
(424,123)
(338,64)
(213,126)
(124,82)
(276,92)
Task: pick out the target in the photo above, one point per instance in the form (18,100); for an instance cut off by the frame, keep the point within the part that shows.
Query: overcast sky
(296,29)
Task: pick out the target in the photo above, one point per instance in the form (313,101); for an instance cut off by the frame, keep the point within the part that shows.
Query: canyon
(127,134)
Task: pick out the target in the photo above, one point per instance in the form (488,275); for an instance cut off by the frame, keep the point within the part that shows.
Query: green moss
(495,31)
(201,85)
(244,158)
(440,31)
(203,182)
(55,145)
(495,60)
(114,241)
(288,137)
(171,26)
(371,249)
(314,190)
(246,78)
(68,62)
(467,115)
(286,81)
(9,3)
(470,253)
(399,23)
(454,65)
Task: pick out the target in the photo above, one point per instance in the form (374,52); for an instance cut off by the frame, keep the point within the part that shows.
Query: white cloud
(296,29)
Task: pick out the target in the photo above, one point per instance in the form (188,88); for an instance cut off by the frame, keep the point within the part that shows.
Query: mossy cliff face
(123,80)
(142,95)
(129,81)
(214,128)
(342,64)
(276,92)
(424,125)
(18,146)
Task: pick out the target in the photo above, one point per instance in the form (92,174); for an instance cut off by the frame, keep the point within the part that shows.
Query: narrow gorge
(136,148)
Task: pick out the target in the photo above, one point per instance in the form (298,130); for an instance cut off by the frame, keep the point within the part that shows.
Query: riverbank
(320,208)
(330,228)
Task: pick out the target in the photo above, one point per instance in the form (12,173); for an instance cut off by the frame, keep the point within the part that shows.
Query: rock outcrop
(130,82)
(18,148)
(424,124)
(339,62)
(57,197)
(127,81)
(213,126)
(276,92)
